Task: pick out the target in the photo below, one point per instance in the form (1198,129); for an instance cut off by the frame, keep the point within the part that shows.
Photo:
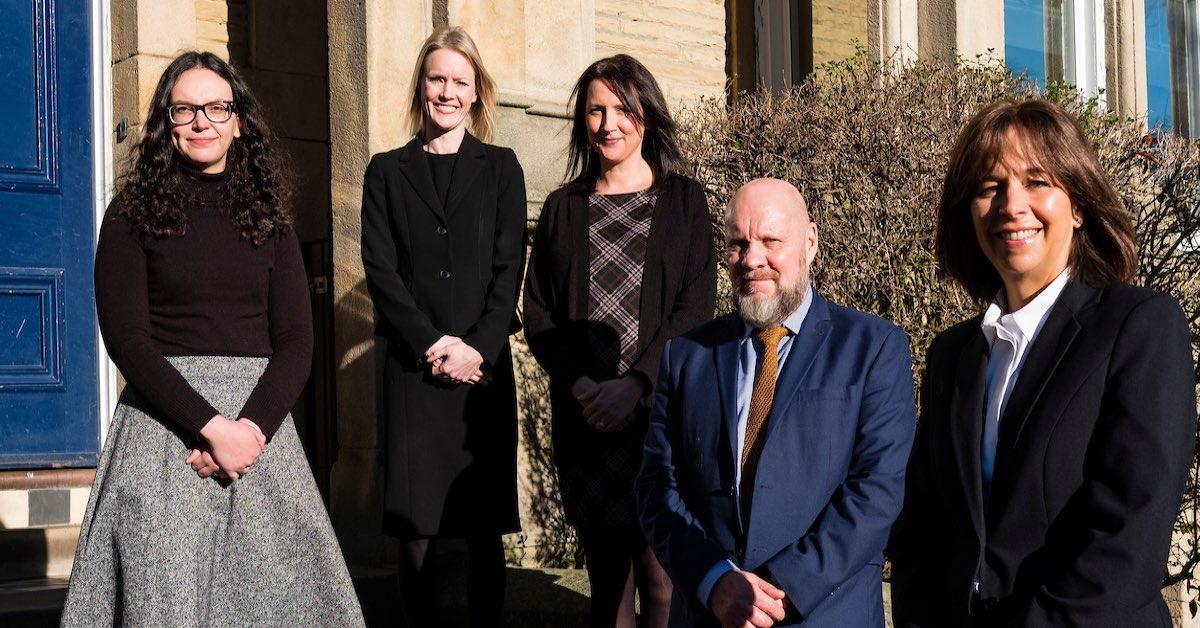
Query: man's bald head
(769,192)
(771,243)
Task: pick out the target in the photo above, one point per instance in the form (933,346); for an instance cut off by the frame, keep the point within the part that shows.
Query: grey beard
(770,312)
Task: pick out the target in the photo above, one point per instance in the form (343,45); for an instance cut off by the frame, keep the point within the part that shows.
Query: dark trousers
(486,581)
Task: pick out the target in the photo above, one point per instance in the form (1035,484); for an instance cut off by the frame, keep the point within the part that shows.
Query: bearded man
(774,465)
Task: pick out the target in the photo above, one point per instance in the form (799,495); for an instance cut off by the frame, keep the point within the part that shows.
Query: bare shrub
(867,144)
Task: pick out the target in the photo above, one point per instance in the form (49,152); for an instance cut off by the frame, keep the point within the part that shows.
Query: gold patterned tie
(760,407)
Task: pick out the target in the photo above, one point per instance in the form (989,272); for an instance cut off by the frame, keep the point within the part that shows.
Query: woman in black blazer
(443,228)
(1057,428)
(622,260)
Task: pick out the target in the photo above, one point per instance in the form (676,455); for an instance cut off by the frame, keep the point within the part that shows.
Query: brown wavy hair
(154,190)
(1104,247)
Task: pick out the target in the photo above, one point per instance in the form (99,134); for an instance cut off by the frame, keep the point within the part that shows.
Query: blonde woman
(443,225)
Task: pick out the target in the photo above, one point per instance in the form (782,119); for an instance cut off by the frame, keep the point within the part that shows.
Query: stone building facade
(334,77)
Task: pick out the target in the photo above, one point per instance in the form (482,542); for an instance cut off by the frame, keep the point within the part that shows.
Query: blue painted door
(48,384)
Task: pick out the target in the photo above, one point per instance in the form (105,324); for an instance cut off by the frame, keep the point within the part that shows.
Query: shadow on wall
(548,540)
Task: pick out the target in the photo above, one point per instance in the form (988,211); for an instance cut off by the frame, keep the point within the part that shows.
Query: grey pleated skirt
(160,546)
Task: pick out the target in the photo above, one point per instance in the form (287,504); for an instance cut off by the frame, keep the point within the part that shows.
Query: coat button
(441,230)
(445,274)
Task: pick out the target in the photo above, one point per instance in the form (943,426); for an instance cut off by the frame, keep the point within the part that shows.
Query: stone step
(31,553)
(536,598)
(32,603)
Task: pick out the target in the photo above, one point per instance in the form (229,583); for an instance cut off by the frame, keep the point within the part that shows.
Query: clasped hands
(229,449)
(741,599)
(608,405)
(453,360)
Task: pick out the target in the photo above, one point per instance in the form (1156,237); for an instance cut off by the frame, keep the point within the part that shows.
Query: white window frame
(1192,72)
(1090,65)
(102,184)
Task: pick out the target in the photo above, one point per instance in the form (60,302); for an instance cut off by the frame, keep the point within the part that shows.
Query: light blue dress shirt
(749,355)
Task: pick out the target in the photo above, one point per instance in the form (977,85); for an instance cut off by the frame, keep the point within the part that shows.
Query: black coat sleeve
(490,334)
(1135,469)
(394,302)
(545,298)
(697,296)
(918,548)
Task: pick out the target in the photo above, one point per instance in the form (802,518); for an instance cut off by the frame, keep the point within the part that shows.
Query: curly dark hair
(154,190)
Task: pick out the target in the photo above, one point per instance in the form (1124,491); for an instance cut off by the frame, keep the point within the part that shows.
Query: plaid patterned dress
(599,487)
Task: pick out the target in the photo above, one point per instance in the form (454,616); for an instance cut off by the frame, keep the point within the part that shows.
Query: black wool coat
(431,270)
(678,293)
(1092,456)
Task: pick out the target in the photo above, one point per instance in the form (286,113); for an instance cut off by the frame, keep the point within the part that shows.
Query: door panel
(48,395)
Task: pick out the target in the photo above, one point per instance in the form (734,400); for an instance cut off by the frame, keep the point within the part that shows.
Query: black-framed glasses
(183,113)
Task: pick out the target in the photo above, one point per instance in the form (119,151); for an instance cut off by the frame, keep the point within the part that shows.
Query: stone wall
(146,36)
(222,28)
(535,51)
(837,28)
(681,41)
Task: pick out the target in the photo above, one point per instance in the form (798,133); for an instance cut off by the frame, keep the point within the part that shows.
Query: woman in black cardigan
(622,261)
(1057,427)
(443,234)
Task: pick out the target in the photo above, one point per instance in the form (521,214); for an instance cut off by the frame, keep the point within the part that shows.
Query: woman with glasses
(622,261)
(443,242)
(203,510)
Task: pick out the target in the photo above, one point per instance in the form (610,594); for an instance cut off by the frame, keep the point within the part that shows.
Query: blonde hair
(483,112)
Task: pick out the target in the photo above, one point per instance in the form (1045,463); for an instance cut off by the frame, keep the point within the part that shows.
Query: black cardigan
(678,279)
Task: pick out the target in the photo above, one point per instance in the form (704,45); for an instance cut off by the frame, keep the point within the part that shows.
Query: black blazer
(1093,452)
(679,280)
(435,268)
(449,268)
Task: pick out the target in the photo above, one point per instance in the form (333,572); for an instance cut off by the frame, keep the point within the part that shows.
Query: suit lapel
(805,348)
(1052,343)
(466,168)
(415,168)
(726,362)
(966,422)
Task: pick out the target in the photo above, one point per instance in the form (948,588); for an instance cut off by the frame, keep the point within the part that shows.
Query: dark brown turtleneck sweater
(207,292)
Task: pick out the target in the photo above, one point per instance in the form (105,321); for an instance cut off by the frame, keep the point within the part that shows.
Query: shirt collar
(1027,321)
(794,320)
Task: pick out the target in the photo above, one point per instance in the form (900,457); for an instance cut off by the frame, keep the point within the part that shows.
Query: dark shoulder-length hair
(154,190)
(1104,248)
(640,95)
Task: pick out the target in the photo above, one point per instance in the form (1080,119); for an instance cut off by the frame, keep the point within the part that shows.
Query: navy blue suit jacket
(830,480)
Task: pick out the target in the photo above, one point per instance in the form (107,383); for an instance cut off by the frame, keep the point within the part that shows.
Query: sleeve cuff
(710,580)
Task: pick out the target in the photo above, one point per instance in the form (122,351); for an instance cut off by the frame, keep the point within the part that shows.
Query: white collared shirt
(1009,337)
